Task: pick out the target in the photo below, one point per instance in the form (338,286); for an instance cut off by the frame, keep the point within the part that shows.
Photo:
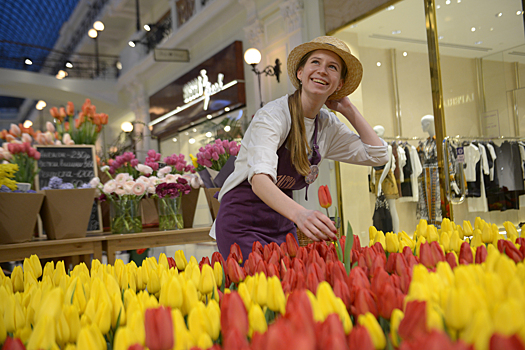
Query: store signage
(171,55)
(210,88)
(459,100)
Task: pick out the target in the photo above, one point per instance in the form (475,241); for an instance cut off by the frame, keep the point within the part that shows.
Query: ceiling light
(405,54)
(473,29)
(174,139)
(61,74)
(209,116)
(191,141)
(227,128)
(378,64)
(69,64)
(353,26)
(519,12)
(438,6)
(186,133)
(440,37)
(208,134)
(447,2)
(491,29)
(147,28)
(390,8)
(118,65)
(28,61)
(499,14)
(478,42)
(131,43)
(40,105)
(396,32)
(98,25)
(459,1)
(252,56)
(126,127)
(27,124)
(194,130)
(227,109)
(92,33)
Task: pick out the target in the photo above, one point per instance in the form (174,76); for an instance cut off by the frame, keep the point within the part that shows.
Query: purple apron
(244,218)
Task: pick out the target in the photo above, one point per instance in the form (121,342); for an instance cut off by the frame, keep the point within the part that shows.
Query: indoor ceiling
(466,28)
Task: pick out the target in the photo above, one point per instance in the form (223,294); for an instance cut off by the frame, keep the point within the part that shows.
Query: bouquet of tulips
(85,128)
(215,161)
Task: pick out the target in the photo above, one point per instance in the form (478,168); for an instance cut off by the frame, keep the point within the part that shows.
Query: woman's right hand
(315,225)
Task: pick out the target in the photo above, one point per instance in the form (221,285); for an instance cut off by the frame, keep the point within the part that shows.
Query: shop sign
(201,86)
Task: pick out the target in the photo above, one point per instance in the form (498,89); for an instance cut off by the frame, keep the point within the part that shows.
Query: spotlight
(92,33)
(69,64)
(126,127)
(131,43)
(28,61)
(98,25)
(27,124)
(147,28)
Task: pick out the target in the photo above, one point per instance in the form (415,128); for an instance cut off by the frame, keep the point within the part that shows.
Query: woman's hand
(315,225)
(342,105)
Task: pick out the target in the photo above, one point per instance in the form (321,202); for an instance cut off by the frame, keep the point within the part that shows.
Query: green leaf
(223,280)
(348,247)
(339,251)
(73,294)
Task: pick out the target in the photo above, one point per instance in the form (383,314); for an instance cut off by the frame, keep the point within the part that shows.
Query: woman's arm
(365,131)
(312,223)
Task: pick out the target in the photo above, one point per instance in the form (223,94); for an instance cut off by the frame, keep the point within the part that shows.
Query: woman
(285,142)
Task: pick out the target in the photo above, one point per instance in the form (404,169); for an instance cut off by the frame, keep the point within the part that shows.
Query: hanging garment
(429,204)
(479,204)
(406,185)
(396,169)
(382,218)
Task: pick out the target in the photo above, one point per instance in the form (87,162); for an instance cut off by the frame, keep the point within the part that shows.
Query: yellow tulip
(29,274)
(459,308)
(73,320)
(432,233)
(190,297)
(445,241)
(477,239)
(62,330)
(343,315)
(316,309)
(214,318)
(198,321)
(24,334)
(3,331)
(43,336)
(103,317)
(419,242)
(60,270)
(118,312)
(217,270)
(405,239)
(180,260)
(421,228)
(136,325)
(392,242)
(204,341)
(141,278)
(276,300)
(374,329)
(467,228)
(372,231)
(123,339)
(261,297)
(76,294)
(479,330)
(257,320)
(163,260)
(455,241)
(90,337)
(36,265)
(395,320)
(507,319)
(171,293)
(434,317)
(245,295)
(486,234)
(380,237)
(326,297)
(17,279)
(505,268)
(153,282)
(14,316)
(207,281)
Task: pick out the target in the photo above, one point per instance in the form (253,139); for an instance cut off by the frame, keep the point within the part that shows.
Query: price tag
(461,154)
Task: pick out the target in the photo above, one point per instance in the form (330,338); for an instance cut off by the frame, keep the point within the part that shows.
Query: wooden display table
(77,248)
(151,239)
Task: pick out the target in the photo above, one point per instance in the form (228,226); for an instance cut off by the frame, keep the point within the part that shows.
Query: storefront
(461,62)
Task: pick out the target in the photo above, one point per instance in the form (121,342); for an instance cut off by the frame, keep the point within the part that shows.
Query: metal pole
(138,15)
(437,99)
(260,93)
(96,55)
(398,131)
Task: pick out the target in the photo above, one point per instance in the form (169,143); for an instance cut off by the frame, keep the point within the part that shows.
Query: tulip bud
(3,331)
(17,278)
(214,319)
(374,329)
(190,297)
(276,300)
(395,320)
(180,259)
(123,339)
(43,336)
(159,329)
(257,320)
(218,273)
(325,199)
(458,310)
(207,280)
(233,314)
(392,242)
(171,293)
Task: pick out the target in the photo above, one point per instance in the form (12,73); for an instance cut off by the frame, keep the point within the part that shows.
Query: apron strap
(315,153)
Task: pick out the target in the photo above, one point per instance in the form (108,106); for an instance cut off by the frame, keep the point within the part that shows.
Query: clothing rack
(486,138)
(400,138)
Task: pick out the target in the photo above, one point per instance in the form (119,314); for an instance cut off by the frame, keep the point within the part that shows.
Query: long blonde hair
(297,143)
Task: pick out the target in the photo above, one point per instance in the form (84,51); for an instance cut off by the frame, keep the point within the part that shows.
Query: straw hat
(354,67)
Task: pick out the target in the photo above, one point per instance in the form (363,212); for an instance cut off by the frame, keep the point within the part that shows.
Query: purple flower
(55,182)
(67,186)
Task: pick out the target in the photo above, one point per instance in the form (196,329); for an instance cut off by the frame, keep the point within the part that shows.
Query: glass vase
(170,214)
(125,215)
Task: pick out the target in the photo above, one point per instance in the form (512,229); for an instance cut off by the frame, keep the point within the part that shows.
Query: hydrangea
(54,183)
(5,189)
(86,185)
(67,186)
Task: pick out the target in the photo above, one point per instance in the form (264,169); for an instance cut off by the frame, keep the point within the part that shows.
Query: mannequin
(391,192)
(429,207)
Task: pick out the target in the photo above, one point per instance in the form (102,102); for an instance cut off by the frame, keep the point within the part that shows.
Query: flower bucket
(170,213)
(150,216)
(213,203)
(66,213)
(189,204)
(125,215)
(18,214)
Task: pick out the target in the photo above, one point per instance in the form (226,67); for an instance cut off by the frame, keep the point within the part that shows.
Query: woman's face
(321,75)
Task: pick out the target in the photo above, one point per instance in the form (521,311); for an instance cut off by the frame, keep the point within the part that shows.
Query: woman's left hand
(341,105)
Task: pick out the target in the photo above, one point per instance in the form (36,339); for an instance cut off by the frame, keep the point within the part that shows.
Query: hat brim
(354,67)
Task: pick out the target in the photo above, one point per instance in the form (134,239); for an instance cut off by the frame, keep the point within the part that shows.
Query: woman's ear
(299,73)
(340,85)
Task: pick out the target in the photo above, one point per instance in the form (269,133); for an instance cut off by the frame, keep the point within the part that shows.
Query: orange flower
(66,126)
(103,118)
(54,112)
(70,109)
(325,199)
(3,134)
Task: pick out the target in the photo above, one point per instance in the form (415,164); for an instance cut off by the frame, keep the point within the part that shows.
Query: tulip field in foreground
(457,287)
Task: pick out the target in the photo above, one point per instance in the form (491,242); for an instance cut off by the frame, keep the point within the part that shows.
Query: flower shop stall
(457,287)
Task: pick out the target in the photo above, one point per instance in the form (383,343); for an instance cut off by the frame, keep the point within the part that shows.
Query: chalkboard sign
(75,164)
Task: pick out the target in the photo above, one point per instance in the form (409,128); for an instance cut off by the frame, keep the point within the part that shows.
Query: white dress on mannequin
(380,131)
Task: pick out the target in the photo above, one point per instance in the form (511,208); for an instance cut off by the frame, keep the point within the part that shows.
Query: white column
(139,104)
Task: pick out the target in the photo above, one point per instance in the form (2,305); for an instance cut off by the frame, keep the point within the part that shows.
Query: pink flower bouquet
(215,161)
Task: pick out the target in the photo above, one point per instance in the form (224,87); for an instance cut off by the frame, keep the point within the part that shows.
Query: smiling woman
(285,143)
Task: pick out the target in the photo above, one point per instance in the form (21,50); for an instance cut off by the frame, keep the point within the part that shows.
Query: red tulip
(235,252)
(285,335)
(413,324)
(136,347)
(342,291)
(451,259)
(331,334)
(325,199)
(481,254)
(273,270)
(510,250)
(274,258)
(388,299)
(235,340)
(434,340)
(299,311)
(425,256)
(364,302)
(70,109)
(465,254)
(359,338)
(501,342)
(257,247)
(291,245)
(234,271)
(233,314)
(312,281)
(204,260)
(159,328)
(171,262)
(380,280)
(437,252)
(13,344)
(261,267)
(216,256)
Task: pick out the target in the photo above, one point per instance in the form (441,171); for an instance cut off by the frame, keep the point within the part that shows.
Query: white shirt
(268,131)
